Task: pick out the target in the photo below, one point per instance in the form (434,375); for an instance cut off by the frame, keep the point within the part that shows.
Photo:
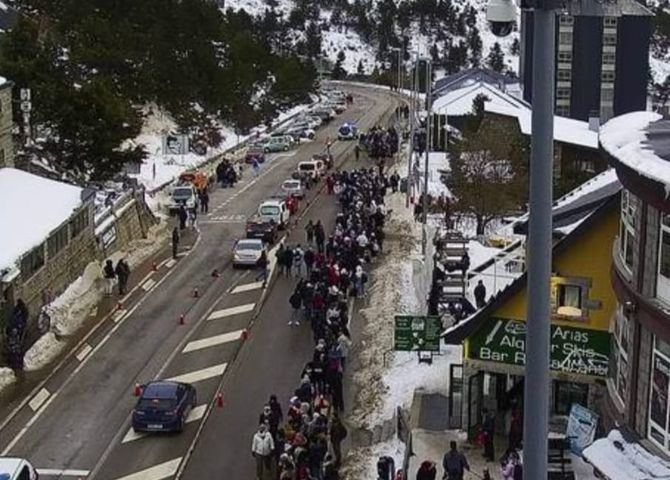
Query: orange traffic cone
(182,319)
(219,400)
(154,266)
(137,390)
(245,335)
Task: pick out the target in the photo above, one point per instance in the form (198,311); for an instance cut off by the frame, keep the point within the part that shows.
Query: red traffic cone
(154,266)
(219,400)
(196,293)
(137,390)
(182,319)
(245,335)
(215,273)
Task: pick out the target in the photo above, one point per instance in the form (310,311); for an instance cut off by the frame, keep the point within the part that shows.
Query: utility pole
(538,318)
(412,129)
(429,106)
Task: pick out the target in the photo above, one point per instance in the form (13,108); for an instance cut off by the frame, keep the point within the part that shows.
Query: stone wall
(6,124)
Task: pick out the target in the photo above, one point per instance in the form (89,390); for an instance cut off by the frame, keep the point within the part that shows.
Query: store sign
(573,350)
(108,237)
(581,429)
(417,333)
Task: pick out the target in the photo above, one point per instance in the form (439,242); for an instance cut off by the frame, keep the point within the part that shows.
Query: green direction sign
(417,333)
(573,350)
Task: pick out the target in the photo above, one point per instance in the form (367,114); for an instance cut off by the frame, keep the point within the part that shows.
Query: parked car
(300,132)
(260,228)
(347,131)
(185,195)
(325,114)
(313,121)
(274,209)
(14,468)
(246,252)
(314,168)
(163,406)
(276,144)
(339,107)
(254,152)
(282,134)
(293,188)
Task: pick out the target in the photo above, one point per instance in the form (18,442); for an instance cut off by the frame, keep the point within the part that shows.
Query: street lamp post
(412,130)
(429,107)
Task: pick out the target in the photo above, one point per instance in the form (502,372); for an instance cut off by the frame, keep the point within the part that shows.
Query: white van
(313,168)
(276,210)
(17,469)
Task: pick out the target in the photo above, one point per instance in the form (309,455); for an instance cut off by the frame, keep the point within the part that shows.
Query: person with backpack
(454,463)
(110,276)
(512,468)
(296,303)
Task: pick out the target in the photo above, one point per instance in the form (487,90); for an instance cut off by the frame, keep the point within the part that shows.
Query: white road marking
(52,472)
(148,284)
(86,349)
(227,312)
(170,263)
(157,472)
(116,318)
(247,287)
(94,312)
(193,416)
(200,375)
(212,341)
(39,399)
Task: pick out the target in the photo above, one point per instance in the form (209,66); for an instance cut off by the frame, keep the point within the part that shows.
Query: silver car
(246,252)
(294,188)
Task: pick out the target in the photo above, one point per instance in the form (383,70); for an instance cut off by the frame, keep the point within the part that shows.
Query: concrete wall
(6,123)
(132,220)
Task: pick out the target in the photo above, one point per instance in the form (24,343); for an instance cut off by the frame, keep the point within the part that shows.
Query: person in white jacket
(262,447)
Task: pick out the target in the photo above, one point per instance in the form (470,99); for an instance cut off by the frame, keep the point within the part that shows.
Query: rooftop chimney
(594,124)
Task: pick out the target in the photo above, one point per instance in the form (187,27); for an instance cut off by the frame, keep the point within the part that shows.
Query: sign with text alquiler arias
(417,333)
(573,350)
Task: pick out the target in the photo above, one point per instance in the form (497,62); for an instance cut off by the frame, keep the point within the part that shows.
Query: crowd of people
(305,444)
(228,173)
(380,143)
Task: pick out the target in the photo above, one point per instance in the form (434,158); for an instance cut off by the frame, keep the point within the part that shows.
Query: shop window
(569,300)
(32,261)
(658,430)
(79,223)
(618,368)
(627,229)
(567,393)
(663,278)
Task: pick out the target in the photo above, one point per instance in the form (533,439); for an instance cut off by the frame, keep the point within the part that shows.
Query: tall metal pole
(538,318)
(429,107)
(412,129)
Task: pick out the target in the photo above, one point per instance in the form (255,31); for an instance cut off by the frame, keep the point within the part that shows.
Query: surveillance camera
(501,15)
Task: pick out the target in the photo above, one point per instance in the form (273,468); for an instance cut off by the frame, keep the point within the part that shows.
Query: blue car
(163,407)
(347,131)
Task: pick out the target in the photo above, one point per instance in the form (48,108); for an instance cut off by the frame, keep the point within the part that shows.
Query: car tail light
(139,412)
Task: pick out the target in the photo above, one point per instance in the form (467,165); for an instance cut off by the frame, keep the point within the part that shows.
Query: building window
(607,76)
(57,241)
(618,368)
(79,222)
(566,19)
(663,279)
(606,95)
(564,57)
(563,93)
(564,75)
(565,38)
(658,429)
(567,393)
(32,262)
(609,59)
(609,22)
(609,39)
(627,228)
(569,300)
(563,111)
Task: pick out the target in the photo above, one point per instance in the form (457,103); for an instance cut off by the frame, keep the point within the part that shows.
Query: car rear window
(292,184)
(182,192)
(307,167)
(157,403)
(269,210)
(249,246)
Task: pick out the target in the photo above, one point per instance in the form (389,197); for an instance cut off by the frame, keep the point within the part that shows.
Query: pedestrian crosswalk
(157,472)
(213,218)
(229,312)
(200,375)
(212,341)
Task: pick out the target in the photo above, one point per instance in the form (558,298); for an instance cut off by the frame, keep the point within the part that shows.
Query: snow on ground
(70,310)
(354,48)
(660,67)
(45,202)
(257,7)
(7,377)
(361,463)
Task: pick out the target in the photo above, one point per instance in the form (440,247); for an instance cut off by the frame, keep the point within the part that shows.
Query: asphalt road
(78,425)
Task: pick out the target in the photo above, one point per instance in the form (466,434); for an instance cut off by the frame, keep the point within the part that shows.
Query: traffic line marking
(193,416)
(116,318)
(86,349)
(53,472)
(157,472)
(212,341)
(247,287)
(148,284)
(94,312)
(200,375)
(227,312)
(39,399)
(171,263)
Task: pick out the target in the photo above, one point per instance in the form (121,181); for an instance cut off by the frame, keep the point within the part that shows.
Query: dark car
(254,152)
(266,230)
(163,407)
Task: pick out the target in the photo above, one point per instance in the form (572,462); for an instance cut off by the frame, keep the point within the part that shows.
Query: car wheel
(286,148)
(182,422)
(266,150)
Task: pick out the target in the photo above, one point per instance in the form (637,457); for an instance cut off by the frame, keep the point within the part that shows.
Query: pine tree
(475,45)
(360,71)
(496,58)
(338,70)
(515,48)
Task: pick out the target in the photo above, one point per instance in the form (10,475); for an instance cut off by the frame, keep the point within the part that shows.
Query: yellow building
(583,304)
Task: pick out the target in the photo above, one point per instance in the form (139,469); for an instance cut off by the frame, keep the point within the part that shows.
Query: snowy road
(78,425)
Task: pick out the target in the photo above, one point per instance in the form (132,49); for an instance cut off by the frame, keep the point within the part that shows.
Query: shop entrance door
(455,395)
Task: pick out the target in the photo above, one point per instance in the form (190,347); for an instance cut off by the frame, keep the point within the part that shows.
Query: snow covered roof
(619,459)
(459,101)
(472,76)
(641,142)
(566,130)
(30,208)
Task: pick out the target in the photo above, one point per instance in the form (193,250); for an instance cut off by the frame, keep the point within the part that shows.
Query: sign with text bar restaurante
(417,333)
(573,350)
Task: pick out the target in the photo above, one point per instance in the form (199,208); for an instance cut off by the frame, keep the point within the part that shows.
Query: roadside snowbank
(7,377)
(362,463)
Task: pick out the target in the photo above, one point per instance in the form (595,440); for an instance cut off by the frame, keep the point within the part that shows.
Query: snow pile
(354,48)
(7,377)
(30,208)
(620,460)
(625,138)
(362,463)
(43,351)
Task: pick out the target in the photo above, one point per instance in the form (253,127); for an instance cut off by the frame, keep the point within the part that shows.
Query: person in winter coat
(204,201)
(480,294)
(262,448)
(309,231)
(511,468)
(317,452)
(454,463)
(262,264)
(427,471)
(488,427)
(268,417)
(175,242)
(343,345)
(297,261)
(296,303)
(319,236)
(309,258)
(183,216)
(275,407)
(122,272)
(110,276)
